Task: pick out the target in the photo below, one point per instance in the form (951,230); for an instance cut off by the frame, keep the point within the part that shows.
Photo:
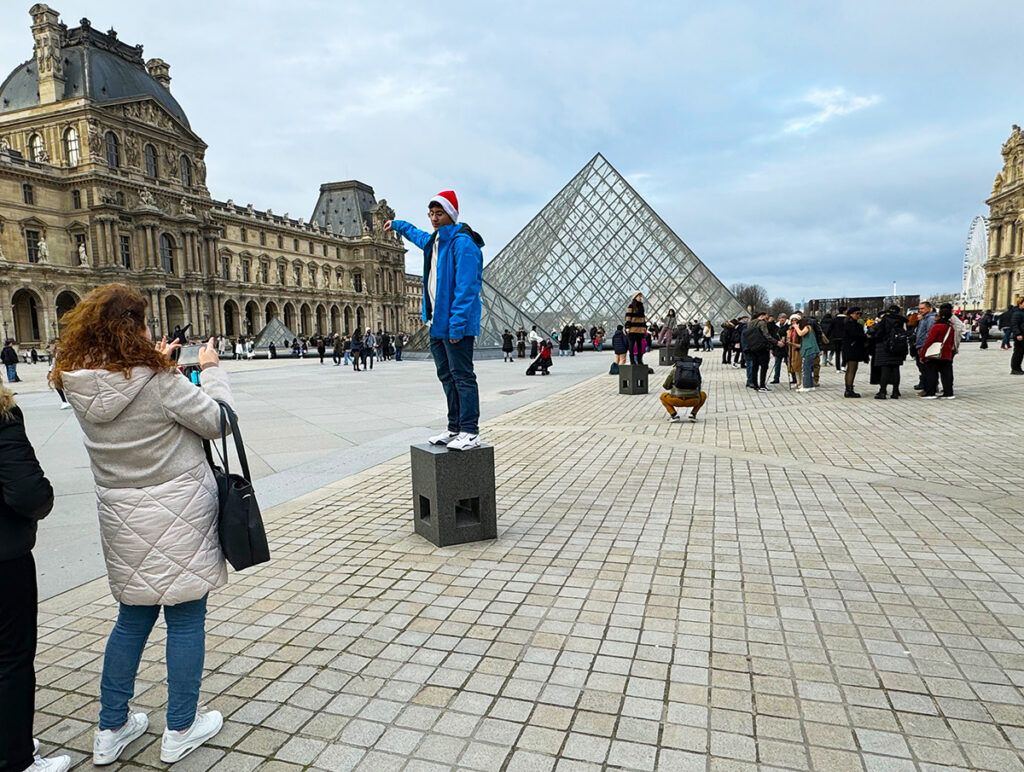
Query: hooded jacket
(156,495)
(460,269)
(25,494)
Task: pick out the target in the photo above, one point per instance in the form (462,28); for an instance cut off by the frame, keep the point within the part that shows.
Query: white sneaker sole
(461,448)
(169,757)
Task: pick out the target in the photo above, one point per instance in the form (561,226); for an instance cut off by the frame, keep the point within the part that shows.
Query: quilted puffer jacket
(156,496)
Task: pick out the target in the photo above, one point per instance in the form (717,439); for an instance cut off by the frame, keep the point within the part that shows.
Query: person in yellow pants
(673,398)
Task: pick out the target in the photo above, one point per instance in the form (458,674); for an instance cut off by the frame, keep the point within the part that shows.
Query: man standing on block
(452,276)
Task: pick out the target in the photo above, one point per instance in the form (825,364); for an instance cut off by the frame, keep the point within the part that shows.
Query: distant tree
(945,297)
(752,297)
(781,306)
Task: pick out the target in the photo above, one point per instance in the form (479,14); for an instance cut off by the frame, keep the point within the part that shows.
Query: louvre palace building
(1004,270)
(102,179)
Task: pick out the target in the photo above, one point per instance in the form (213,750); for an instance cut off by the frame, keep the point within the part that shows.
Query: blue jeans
(348,358)
(750,371)
(807,364)
(186,651)
(454,362)
(12,373)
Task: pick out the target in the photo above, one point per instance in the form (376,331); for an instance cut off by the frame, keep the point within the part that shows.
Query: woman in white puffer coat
(144,423)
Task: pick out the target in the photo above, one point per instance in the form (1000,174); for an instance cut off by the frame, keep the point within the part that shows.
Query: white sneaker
(465,441)
(53,764)
(691,417)
(951,396)
(109,744)
(65,405)
(932,396)
(674,418)
(177,745)
(443,438)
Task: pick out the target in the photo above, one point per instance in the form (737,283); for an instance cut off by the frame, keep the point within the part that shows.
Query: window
(32,245)
(35,148)
(280,274)
(186,172)
(312,275)
(166,253)
(337,252)
(264,273)
(357,282)
(152,167)
(325,250)
(113,151)
(295,245)
(225,268)
(126,252)
(263,239)
(71,154)
(76,199)
(119,197)
(246,268)
(27,195)
(311,247)
(280,242)
(245,235)
(297,275)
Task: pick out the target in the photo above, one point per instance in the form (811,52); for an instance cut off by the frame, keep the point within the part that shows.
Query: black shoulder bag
(240,525)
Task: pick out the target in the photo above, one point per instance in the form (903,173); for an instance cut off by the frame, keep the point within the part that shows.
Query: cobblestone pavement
(797,581)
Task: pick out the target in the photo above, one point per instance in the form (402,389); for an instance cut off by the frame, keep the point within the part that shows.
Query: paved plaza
(797,581)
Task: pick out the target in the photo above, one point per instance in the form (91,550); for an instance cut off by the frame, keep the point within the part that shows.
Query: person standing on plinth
(452,278)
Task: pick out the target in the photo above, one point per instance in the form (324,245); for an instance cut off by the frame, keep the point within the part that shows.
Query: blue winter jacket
(460,268)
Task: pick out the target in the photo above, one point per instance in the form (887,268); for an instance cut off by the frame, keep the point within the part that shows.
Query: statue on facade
(44,251)
(186,208)
(5,144)
(997,183)
(131,149)
(330,228)
(2,258)
(302,222)
(249,210)
(42,156)
(83,256)
(200,171)
(95,139)
(146,199)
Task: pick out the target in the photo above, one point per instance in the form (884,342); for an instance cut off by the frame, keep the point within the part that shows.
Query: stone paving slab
(795,582)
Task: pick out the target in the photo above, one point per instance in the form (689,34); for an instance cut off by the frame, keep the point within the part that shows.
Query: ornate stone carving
(146,199)
(186,208)
(95,139)
(5,144)
(83,256)
(171,156)
(200,166)
(148,113)
(44,251)
(131,149)
(42,156)
(249,210)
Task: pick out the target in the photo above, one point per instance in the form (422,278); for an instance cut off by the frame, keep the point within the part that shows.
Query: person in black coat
(984,326)
(25,498)
(892,344)
(854,347)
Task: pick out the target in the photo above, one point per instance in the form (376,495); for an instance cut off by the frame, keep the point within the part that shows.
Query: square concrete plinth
(667,356)
(453,494)
(633,379)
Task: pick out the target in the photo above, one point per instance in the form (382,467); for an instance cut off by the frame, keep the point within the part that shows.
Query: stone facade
(413,302)
(95,189)
(1004,271)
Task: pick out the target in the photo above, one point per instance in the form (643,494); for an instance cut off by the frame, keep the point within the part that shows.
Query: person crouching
(674,397)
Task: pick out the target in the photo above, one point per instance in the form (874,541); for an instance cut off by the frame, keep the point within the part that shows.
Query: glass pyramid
(595,245)
(497,314)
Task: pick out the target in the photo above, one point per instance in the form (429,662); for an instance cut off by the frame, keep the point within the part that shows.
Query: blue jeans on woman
(807,364)
(186,651)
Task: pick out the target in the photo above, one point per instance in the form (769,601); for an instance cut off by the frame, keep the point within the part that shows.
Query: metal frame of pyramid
(276,331)
(498,314)
(592,247)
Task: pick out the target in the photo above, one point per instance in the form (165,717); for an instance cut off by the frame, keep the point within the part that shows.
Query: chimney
(48,34)
(161,72)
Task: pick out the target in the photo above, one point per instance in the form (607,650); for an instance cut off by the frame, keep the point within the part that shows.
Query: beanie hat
(448,201)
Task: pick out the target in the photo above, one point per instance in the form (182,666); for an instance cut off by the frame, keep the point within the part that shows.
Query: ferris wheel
(975,254)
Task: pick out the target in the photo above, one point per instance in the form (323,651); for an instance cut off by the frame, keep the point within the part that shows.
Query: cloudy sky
(816,148)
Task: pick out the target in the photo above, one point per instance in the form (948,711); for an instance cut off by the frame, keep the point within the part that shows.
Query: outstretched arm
(408,231)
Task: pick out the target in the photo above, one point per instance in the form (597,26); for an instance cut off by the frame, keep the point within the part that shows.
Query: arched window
(71,154)
(166,253)
(152,167)
(186,172)
(35,148)
(113,151)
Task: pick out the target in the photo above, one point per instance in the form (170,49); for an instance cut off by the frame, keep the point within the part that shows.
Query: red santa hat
(448,201)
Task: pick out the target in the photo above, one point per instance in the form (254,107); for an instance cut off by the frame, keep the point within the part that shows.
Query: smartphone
(188,355)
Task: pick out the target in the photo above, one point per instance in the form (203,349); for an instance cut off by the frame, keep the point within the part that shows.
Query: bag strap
(237,435)
(223,441)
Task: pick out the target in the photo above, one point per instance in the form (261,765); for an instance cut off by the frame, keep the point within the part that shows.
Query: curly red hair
(107,331)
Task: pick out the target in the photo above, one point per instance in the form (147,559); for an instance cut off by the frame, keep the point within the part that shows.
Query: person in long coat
(892,345)
(636,328)
(794,362)
(158,505)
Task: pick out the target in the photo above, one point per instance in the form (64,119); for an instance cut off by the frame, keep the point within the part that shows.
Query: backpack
(687,374)
(898,343)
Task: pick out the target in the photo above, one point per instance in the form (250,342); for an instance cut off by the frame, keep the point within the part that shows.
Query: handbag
(243,539)
(934,350)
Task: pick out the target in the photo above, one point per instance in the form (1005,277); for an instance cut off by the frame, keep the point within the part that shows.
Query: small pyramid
(592,247)
(275,332)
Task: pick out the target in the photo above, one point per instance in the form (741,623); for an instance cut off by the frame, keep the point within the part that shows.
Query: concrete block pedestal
(453,494)
(633,379)
(667,356)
